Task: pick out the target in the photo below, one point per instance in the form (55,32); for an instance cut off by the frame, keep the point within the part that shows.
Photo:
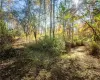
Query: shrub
(5,37)
(67,46)
(94,49)
(48,45)
(77,42)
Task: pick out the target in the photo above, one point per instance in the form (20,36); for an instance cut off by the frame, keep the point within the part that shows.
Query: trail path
(80,51)
(19,43)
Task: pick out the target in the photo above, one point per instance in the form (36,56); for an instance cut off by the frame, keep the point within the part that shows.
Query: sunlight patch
(76,2)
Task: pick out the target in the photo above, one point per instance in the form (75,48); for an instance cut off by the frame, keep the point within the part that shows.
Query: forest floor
(79,51)
(15,68)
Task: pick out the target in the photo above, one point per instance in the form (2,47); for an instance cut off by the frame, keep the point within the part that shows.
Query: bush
(5,37)
(15,32)
(48,45)
(95,49)
(77,42)
(67,46)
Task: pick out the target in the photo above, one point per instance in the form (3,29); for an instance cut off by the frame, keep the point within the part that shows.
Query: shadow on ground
(12,65)
(15,71)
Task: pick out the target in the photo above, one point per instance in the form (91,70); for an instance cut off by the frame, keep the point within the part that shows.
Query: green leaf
(67,16)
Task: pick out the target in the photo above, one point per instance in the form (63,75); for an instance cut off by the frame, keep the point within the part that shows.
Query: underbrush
(94,49)
(6,38)
(51,46)
(77,42)
(41,64)
(41,58)
(43,54)
(64,69)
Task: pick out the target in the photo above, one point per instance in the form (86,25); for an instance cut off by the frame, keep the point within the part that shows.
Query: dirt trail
(80,51)
(19,43)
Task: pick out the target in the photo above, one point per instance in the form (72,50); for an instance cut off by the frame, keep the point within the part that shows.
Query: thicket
(49,45)
(6,38)
(94,48)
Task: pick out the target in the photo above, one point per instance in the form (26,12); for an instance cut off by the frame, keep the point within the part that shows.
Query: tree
(50,18)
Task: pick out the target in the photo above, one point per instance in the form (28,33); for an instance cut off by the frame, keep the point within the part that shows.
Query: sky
(76,2)
(19,5)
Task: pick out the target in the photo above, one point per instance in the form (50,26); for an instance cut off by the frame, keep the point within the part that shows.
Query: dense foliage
(5,37)
(50,45)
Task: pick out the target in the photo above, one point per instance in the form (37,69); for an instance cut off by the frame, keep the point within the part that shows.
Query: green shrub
(67,46)
(15,32)
(48,45)
(77,42)
(5,37)
(95,49)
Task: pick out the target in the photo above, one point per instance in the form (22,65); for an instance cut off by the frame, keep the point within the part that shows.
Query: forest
(49,39)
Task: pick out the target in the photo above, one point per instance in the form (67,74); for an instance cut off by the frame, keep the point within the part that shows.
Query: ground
(15,68)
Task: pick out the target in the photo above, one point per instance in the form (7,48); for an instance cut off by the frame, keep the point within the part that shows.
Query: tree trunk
(50,18)
(53,18)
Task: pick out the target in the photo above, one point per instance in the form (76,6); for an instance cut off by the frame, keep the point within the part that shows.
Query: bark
(53,18)
(50,18)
